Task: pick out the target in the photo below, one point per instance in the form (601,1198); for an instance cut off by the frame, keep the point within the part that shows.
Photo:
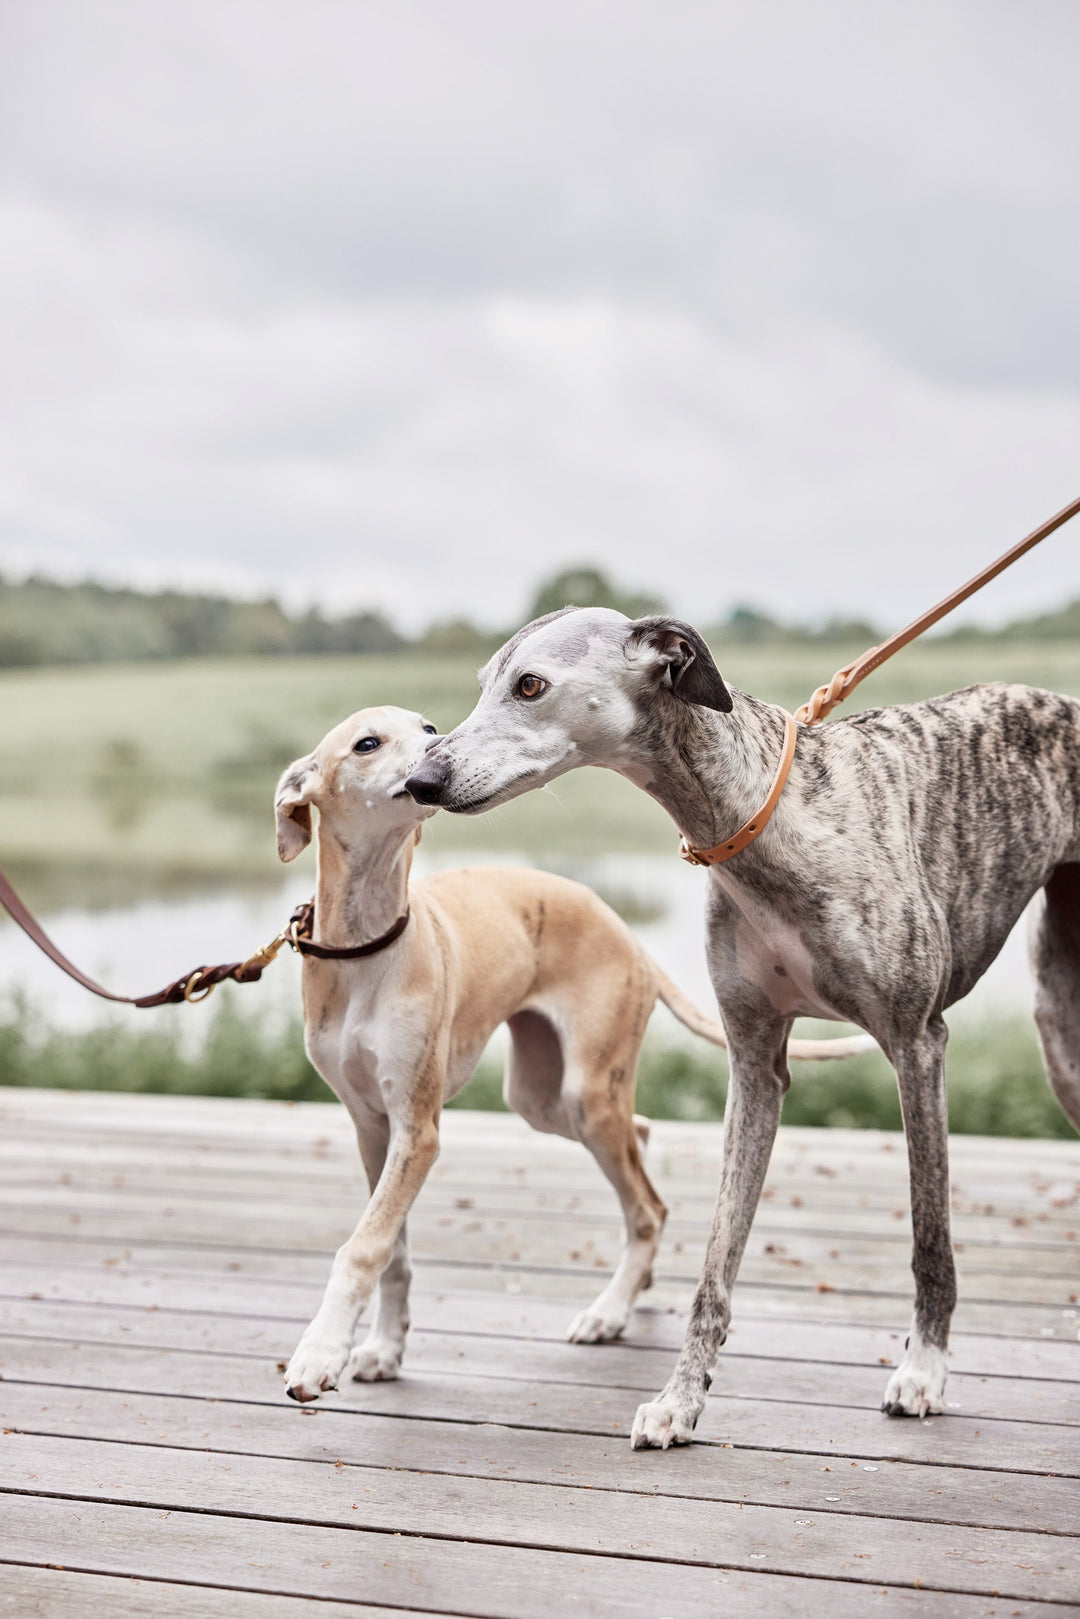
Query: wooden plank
(451,1576)
(220,1117)
(180,1314)
(775,1424)
(623,1366)
(512,1170)
(977,1497)
(241,1217)
(299,1129)
(50,1593)
(1019,1320)
(996,1234)
(566,1251)
(512,1152)
(546,1517)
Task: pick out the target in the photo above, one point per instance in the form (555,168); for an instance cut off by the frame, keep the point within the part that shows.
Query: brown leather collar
(303,919)
(757,823)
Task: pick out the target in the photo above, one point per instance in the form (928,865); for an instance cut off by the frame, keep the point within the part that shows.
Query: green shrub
(996,1080)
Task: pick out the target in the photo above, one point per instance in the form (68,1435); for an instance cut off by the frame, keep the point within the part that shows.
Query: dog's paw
(665,1421)
(315,1367)
(917,1387)
(376,1360)
(599,1324)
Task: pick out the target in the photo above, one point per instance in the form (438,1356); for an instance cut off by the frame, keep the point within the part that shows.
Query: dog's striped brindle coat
(906,844)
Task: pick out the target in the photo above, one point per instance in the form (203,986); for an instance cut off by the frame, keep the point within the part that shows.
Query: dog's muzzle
(429,783)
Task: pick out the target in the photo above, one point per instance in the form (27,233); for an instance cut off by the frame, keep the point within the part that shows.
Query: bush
(996,1080)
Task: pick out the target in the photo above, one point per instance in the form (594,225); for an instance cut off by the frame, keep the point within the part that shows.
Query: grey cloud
(413,303)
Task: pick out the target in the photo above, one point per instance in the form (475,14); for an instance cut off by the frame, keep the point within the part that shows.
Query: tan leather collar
(757,823)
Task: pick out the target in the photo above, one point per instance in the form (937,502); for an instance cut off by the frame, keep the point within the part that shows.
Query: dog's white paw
(315,1367)
(376,1360)
(665,1421)
(599,1324)
(917,1387)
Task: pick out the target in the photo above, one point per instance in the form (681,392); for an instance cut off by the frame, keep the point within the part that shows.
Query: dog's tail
(713,1030)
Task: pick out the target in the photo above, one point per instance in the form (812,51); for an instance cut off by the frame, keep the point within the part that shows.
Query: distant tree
(750,628)
(850,629)
(44,622)
(448,636)
(588,587)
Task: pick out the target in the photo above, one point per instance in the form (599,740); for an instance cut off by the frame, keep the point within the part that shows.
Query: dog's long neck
(709,771)
(362,885)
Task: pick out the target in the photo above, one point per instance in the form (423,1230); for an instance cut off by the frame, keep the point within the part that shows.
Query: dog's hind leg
(1055,953)
(611,1135)
(918,1384)
(586,1093)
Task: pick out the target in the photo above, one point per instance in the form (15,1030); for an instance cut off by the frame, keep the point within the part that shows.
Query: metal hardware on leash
(195,991)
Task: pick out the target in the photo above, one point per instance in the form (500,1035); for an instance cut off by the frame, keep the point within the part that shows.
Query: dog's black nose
(428,783)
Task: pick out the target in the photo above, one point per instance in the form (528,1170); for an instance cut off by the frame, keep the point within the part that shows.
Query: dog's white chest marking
(772,954)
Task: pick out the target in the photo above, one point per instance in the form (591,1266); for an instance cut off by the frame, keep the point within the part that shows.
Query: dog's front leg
(918,1384)
(378,1358)
(326,1346)
(755,1095)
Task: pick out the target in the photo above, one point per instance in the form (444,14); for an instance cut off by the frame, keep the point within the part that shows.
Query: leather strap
(845,680)
(197,984)
(757,823)
(304,917)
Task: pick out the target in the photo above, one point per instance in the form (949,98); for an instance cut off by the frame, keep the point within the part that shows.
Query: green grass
(170,768)
(996,1080)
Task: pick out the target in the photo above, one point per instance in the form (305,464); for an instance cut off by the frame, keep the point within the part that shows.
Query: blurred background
(341,338)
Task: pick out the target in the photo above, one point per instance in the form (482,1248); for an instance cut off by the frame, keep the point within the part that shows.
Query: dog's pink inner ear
(293,828)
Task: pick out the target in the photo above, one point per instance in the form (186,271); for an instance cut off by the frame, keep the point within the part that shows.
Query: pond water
(136,947)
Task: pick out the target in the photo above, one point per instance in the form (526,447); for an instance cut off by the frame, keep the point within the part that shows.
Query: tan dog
(398,1033)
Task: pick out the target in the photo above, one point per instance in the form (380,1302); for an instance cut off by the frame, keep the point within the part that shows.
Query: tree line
(43,621)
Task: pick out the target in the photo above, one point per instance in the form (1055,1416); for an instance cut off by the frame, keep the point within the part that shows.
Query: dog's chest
(772,955)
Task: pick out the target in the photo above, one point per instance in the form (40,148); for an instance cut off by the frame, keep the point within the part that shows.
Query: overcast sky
(406,304)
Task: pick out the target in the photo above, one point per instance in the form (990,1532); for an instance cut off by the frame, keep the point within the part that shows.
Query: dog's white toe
(314,1369)
(917,1387)
(597,1325)
(663,1422)
(376,1360)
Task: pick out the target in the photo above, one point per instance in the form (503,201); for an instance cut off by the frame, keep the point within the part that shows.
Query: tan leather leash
(844,681)
(197,985)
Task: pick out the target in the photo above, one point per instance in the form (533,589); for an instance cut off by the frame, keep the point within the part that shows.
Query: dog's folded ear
(681,659)
(292,806)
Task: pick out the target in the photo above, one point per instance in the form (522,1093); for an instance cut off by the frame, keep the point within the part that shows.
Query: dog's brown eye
(531,686)
(366,744)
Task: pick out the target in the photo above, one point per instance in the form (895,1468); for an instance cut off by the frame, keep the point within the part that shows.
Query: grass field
(170,768)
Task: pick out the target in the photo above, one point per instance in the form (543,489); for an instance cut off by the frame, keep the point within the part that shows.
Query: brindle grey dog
(906,844)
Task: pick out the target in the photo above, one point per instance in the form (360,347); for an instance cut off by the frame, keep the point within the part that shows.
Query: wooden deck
(160,1257)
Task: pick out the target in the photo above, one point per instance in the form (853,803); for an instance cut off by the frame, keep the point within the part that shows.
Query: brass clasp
(268,952)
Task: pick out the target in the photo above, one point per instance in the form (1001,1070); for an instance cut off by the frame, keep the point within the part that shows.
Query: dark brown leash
(199,983)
